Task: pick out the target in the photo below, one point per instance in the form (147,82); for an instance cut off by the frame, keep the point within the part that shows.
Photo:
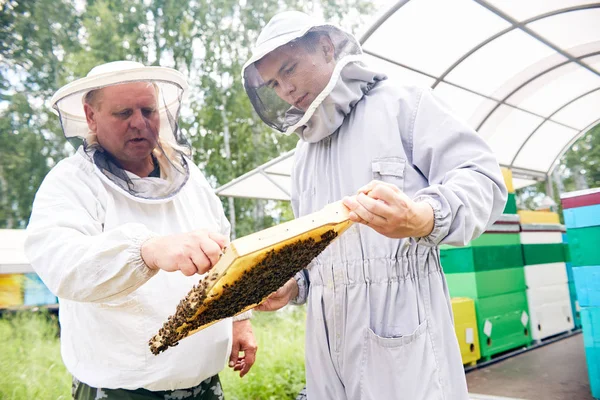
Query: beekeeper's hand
(281,297)
(244,347)
(389,211)
(191,253)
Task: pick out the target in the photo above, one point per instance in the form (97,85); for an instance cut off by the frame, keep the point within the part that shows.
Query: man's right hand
(191,253)
(280,298)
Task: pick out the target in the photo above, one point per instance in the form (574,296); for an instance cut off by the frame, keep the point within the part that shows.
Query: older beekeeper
(120,231)
(379,322)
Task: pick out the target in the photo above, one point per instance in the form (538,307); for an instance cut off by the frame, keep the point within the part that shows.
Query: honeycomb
(250,269)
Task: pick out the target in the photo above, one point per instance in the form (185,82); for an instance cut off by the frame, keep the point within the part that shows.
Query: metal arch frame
(528,81)
(509,29)
(377,24)
(521,25)
(531,33)
(512,162)
(466,89)
(514,24)
(259,171)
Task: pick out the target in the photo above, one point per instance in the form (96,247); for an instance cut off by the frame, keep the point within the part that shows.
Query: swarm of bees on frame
(204,306)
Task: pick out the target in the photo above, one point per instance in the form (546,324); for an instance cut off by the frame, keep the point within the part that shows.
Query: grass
(30,362)
(279,369)
(31,366)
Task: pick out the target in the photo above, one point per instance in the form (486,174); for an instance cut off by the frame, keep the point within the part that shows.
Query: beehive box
(503,323)
(590,317)
(508,179)
(35,292)
(580,198)
(538,217)
(250,269)
(11,290)
(582,217)
(583,246)
(465,326)
(550,310)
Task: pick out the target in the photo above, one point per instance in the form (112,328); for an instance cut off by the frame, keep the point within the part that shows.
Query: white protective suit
(380,322)
(84,240)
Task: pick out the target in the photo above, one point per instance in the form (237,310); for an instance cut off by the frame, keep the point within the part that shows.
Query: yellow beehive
(465,326)
(11,290)
(538,217)
(508,179)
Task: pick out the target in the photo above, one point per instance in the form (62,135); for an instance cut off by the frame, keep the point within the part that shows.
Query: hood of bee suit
(172,147)
(350,80)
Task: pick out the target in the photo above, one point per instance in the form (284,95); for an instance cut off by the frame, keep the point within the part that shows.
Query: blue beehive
(590,318)
(587,285)
(582,217)
(35,292)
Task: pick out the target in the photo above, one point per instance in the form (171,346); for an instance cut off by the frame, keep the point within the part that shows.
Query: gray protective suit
(379,322)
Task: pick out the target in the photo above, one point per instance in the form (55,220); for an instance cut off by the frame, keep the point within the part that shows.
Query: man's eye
(291,69)
(124,114)
(274,84)
(147,112)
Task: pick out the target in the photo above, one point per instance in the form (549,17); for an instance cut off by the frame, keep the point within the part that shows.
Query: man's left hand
(243,342)
(389,211)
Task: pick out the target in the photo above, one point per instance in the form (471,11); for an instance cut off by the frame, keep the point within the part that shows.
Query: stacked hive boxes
(490,271)
(545,274)
(465,326)
(582,218)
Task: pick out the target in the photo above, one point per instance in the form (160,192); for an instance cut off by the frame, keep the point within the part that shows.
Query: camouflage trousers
(209,389)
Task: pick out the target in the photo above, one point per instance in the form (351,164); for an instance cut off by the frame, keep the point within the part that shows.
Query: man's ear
(90,116)
(326,46)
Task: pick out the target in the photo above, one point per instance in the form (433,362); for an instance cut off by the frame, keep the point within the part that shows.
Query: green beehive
(457,259)
(503,323)
(486,283)
(480,258)
(545,253)
(584,246)
(496,239)
(497,257)
(511,204)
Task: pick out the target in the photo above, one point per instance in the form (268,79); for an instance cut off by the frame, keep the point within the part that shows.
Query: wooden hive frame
(250,269)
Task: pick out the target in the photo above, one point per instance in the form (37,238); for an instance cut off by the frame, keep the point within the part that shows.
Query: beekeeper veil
(305,77)
(171,168)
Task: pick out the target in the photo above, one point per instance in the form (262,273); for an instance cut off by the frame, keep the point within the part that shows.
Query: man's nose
(137,120)
(288,87)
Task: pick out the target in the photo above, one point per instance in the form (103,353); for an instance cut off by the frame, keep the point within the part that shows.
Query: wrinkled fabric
(149,189)
(84,240)
(379,323)
(348,86)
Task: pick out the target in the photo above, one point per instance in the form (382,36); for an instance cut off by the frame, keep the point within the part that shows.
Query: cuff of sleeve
(243,316)
(440,225)
(303,286)
(137,260)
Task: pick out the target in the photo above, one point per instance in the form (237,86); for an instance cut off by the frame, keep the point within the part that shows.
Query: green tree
(34,37)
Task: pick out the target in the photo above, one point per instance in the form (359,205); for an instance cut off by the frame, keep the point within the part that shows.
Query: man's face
(126,121)
(296,74)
